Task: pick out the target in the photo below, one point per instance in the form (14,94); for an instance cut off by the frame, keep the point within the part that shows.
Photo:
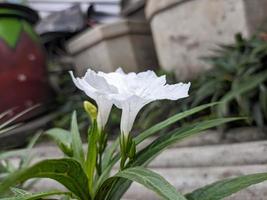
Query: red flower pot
(23,76)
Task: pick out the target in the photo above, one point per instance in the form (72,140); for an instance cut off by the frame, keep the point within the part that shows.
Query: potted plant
(23,74)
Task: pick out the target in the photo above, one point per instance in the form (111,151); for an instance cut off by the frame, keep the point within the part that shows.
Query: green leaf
(155,148)
(154,129)
(66,171)
(9,166)
(109,153)
(248,84)
(13,153)
(18,191)
(227,187)
(263,100)
(105,174)
(77,146)
(26,158)
(204,91)
(108,161)
(147,178)
(245,86)
(35,196)
(142,136)
(258,115)
(62,139)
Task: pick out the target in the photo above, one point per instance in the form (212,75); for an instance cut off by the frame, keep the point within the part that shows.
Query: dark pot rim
(19,11)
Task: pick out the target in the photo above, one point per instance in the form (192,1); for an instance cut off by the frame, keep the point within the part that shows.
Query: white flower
(134,91)
(97,88)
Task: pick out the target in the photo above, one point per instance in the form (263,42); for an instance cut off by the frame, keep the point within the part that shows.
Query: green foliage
(238,79)
(34,196)
(142,136)
(92,155)
(147,178)
(24,156)
(66,171)
(62,139)
(225,188)
(76,141)
(87,176)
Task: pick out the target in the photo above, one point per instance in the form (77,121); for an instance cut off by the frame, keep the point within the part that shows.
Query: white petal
(120,71)
(97,88)
(173,92)
(104,107)
(98,82)
(75,81)
(147,74)
(130,109)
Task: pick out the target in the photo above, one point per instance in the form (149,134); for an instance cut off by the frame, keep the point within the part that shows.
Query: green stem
(127,146)
(92,155)
(102,144)
(99,164)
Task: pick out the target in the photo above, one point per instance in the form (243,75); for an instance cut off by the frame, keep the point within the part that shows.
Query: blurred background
(218,45)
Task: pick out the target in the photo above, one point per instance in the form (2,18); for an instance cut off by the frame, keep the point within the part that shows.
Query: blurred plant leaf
(147,133)
(62,138)
(225,188)
(77,146)
(147,178)
(120,186)
(35,196)
(66,171)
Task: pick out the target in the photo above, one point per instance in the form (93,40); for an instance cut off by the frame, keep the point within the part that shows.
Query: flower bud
(90,109)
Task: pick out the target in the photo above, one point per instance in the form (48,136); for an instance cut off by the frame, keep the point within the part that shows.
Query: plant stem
(99,164)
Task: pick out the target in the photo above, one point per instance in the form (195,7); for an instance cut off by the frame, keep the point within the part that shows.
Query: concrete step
(248,153)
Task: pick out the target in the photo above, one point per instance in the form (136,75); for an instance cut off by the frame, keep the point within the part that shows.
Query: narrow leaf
(13,153)
(227,187)
(18,191)
(155,148)
(247,85)
(154,129)
(77,146)
(108,161)
(142,136)
(27,156)
(62,139)
(109,153)
(263,100)
(35,196)
(147,178)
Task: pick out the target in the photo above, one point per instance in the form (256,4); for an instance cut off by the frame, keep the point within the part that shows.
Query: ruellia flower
(97,88)
(135,90)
